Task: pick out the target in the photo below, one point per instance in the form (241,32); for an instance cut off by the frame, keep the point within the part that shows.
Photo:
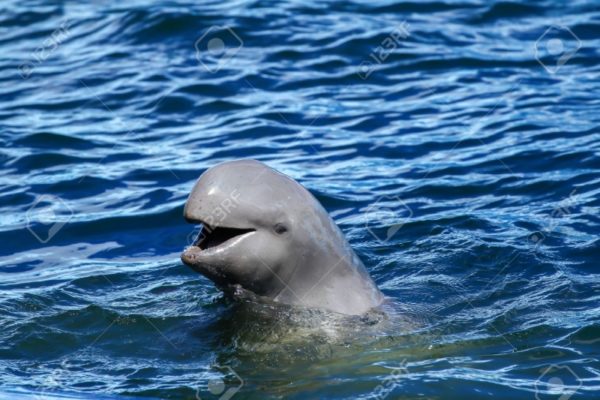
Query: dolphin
(264,233)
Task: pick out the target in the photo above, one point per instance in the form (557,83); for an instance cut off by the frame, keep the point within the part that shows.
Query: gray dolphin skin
(265,233)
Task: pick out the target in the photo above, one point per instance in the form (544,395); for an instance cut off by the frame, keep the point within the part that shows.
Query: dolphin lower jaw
(215,264)
(193,258)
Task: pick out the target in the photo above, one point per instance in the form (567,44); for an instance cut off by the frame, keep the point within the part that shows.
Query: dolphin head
(265,233)
(249,215)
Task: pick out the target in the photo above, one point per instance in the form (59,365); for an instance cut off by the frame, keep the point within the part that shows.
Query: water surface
(456,143)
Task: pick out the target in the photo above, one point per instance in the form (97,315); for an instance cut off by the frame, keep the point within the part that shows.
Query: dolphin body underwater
(265,236)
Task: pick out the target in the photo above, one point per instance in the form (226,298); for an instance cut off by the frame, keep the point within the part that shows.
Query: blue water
(456,143)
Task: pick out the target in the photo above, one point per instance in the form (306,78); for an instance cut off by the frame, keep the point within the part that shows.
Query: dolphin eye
(280,229)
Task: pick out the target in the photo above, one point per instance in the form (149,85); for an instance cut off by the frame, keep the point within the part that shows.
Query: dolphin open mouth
(210,237)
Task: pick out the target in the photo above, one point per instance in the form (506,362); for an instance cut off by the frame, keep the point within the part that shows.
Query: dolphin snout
(190,255)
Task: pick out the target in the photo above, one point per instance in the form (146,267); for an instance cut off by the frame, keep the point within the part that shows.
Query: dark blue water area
(455,143)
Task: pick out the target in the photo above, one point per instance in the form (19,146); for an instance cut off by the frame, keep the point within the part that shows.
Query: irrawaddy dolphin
(265,233)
